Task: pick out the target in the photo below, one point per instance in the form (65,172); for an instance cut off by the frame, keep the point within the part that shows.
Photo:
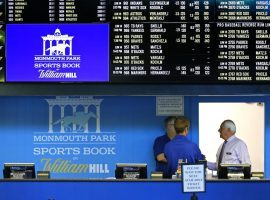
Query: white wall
(249,120)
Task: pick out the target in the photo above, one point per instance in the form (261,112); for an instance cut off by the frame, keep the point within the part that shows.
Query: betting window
(249,120)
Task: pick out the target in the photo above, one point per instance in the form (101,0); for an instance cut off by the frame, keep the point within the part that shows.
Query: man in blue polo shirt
(160,143)
(181,148)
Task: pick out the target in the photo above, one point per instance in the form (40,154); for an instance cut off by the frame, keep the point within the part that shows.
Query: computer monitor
(234,171)
(19,170)
(131,171)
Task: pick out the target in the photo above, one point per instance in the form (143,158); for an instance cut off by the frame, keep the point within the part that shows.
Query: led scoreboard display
(135,41)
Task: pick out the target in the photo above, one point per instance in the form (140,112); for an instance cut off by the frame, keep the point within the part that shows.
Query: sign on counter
(193,176)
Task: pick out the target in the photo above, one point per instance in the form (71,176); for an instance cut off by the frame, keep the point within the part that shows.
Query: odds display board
(149,41)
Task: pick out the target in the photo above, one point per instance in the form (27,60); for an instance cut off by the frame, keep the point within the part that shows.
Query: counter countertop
(126,180)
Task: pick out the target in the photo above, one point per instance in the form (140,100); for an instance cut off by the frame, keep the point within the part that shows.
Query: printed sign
(193,177)
(169,106)
(58,53)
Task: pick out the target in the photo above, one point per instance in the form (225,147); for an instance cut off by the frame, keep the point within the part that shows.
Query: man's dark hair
(180,124)
(169,119)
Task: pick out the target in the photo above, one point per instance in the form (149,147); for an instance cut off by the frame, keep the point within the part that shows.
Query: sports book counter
(21,183)
(103,189)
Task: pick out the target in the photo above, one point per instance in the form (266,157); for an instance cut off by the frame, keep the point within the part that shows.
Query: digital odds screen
(135,41)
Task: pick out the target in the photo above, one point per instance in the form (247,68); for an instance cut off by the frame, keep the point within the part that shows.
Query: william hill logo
(57,59)
(74,142)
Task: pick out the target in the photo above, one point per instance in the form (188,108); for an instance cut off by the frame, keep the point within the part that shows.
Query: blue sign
(79,136)
(57,53)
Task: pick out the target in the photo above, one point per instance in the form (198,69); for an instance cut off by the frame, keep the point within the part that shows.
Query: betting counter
(104,189)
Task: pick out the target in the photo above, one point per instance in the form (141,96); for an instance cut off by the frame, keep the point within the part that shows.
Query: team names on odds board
(165,41)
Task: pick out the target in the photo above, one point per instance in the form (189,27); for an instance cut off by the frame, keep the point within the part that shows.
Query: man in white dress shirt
(233,150)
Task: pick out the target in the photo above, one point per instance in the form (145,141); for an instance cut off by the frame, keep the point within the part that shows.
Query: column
(50,118)
(86,124)
(64,52)
(50,47)
(74,125)
(98,119)
(57,51)
(44,47)
(70,47)
(62,116)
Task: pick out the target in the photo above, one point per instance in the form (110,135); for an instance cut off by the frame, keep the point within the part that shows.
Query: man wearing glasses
(160,143)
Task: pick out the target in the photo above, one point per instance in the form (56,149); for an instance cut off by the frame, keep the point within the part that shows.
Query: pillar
(62,116)
(50,118)
(70,47)
(57,42)
(64,52)
(86,124)
(98,119)
(50,47)
(74,125)
(44,47)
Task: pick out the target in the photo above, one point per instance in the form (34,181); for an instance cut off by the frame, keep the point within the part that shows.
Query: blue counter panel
(110,190)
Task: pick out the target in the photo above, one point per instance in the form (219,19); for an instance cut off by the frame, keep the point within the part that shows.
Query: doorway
(249,120)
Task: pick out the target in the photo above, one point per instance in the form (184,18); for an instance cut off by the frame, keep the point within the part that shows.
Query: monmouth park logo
(58,44)
(74,143)
(57,59)
(78,121)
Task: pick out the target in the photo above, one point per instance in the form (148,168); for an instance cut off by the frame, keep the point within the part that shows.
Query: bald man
(233,150)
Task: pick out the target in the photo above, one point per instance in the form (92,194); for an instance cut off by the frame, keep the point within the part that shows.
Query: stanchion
(194,197)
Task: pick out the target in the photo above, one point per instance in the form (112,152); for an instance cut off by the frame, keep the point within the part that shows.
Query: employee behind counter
(182,148)
(161,141)
(233,150)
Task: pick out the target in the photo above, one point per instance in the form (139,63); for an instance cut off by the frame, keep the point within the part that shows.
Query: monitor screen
(234,171)
(131,171)
(19,170)
(57,53)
